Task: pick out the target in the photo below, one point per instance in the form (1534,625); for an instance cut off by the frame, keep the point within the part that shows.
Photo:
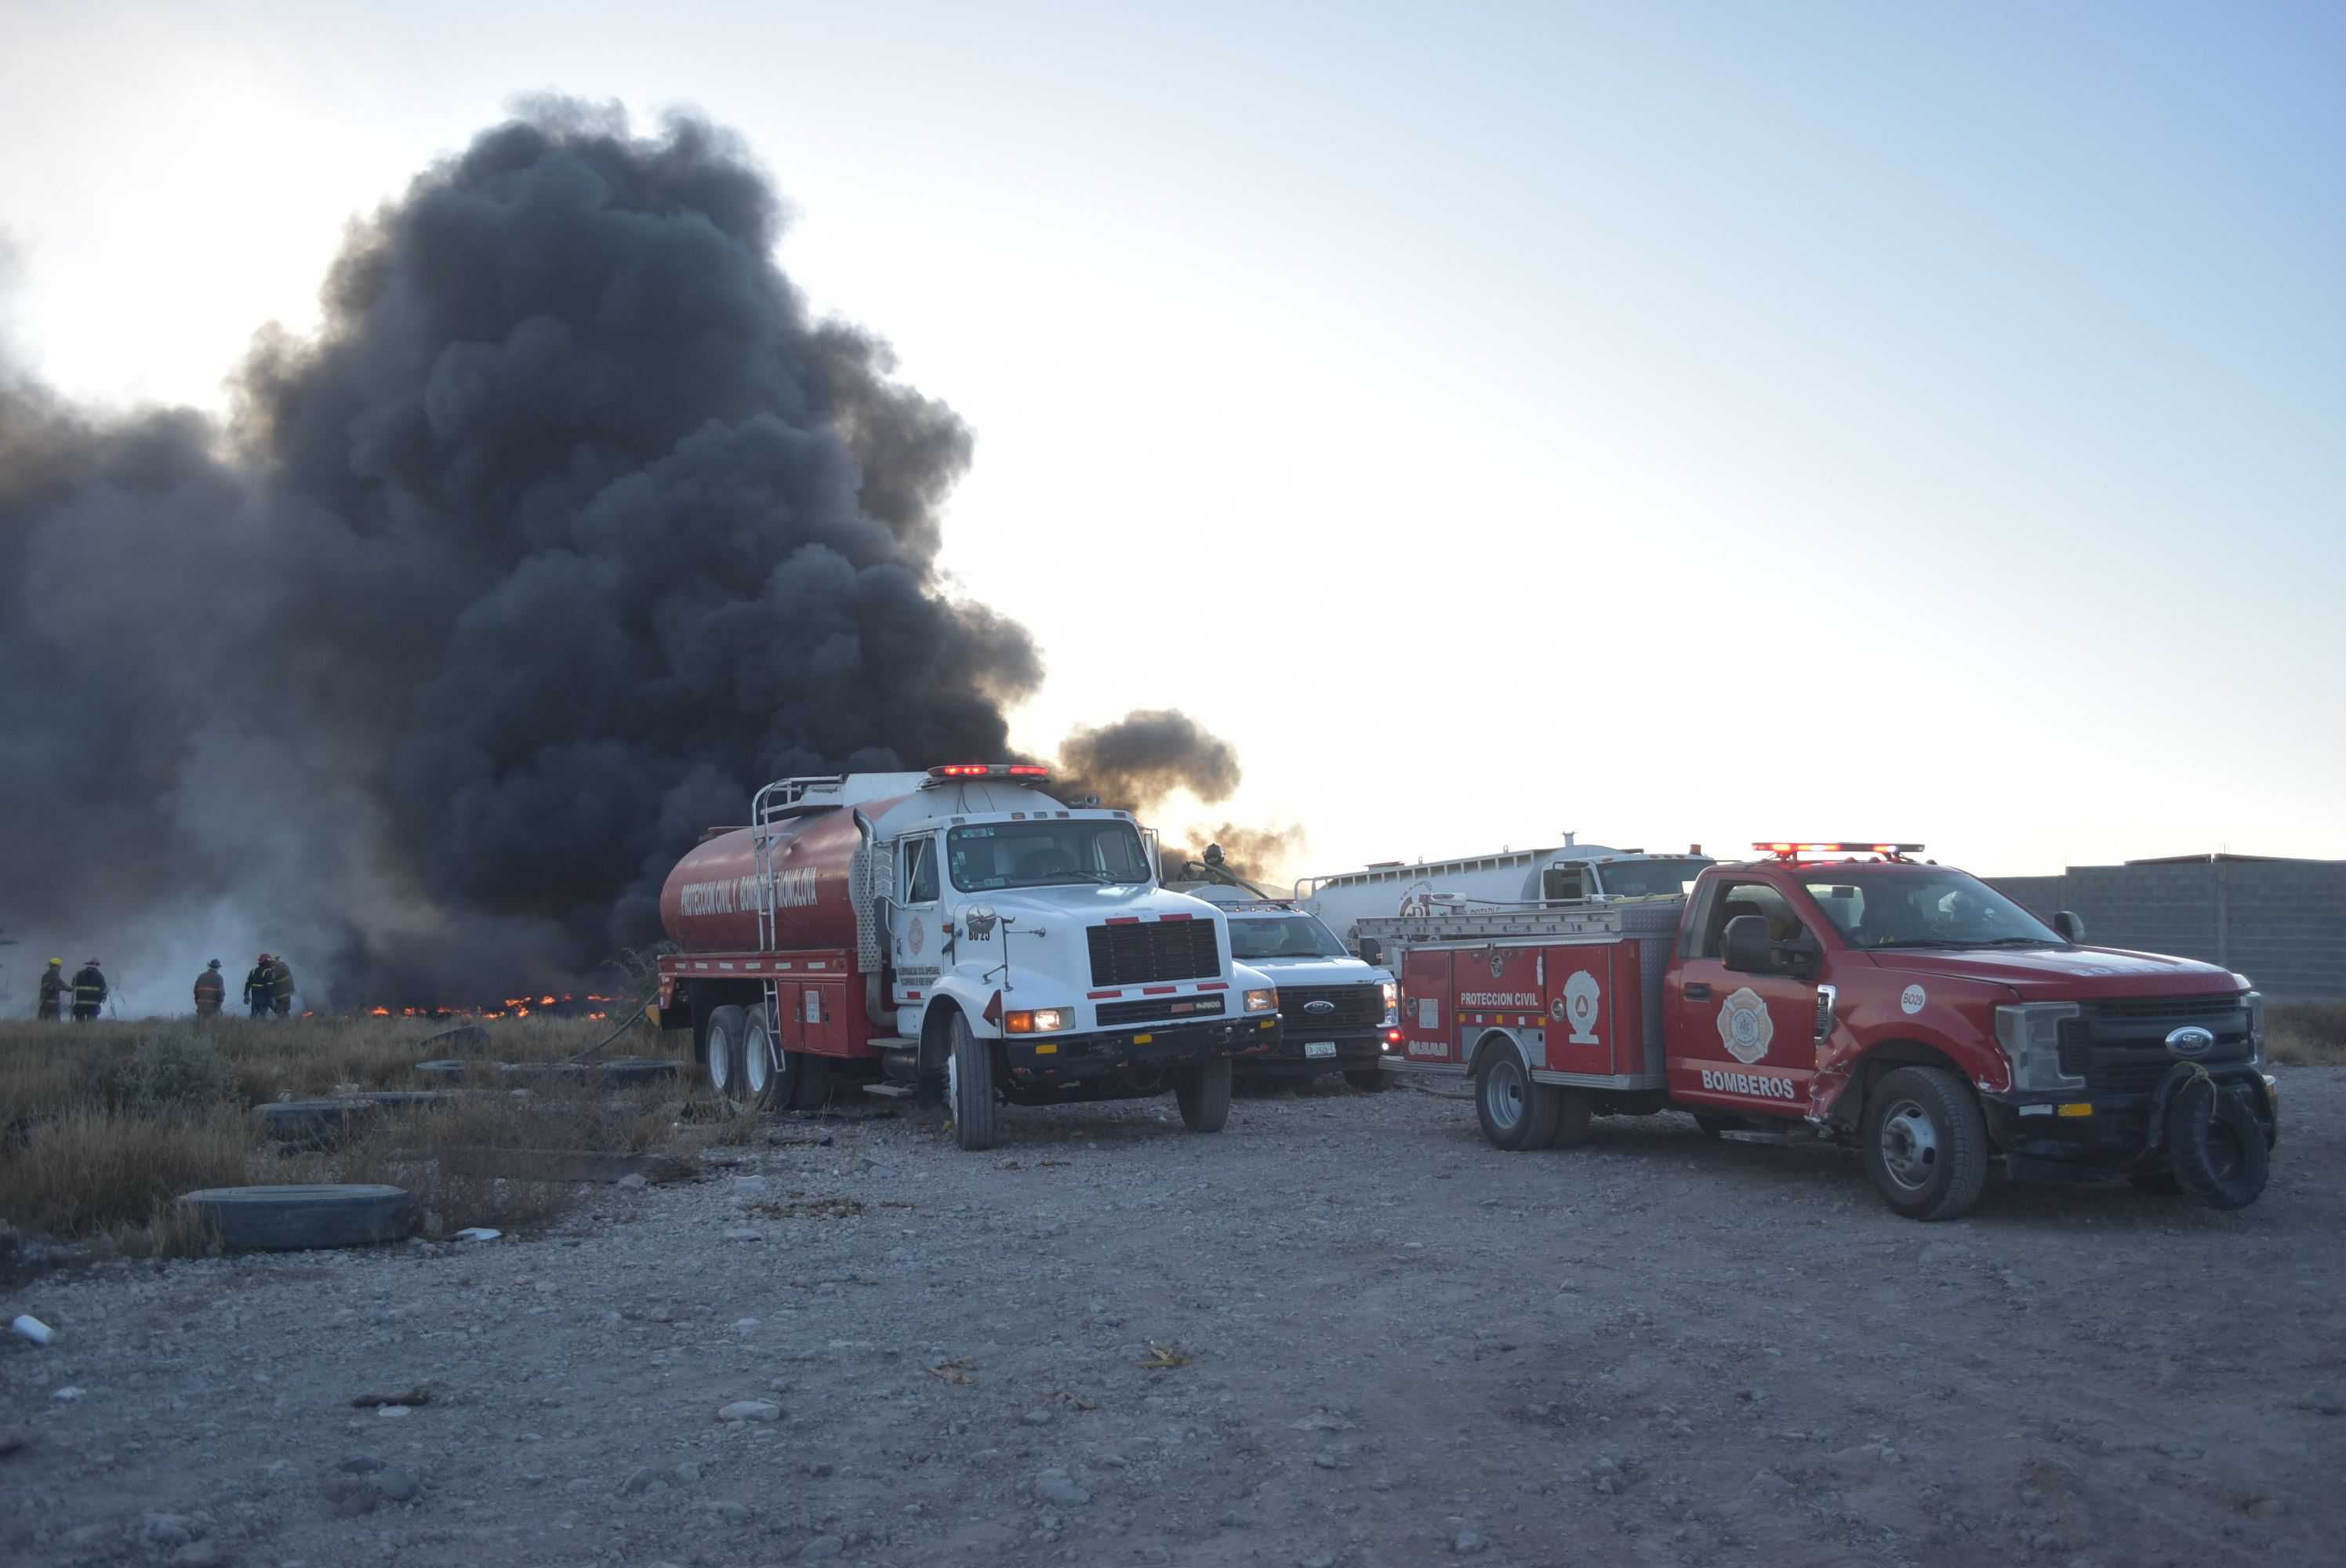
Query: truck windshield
(1047,853)
(1919,906)
(1283,936)
(1645,879)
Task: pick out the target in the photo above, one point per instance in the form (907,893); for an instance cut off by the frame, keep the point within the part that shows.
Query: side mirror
(1371,949)
(1747,948)
(2068,927)
(1802,958)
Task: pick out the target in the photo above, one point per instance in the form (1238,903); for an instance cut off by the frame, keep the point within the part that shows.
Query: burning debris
(568,529)
(566,1004)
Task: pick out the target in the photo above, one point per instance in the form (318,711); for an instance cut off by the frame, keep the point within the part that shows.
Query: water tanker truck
(955,935)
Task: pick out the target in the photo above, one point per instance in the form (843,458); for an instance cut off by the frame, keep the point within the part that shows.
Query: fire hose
(635,1016)
(2215,1147)
(641,1010)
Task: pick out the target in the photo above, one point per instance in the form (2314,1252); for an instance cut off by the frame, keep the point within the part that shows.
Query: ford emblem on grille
(1322,1005)
(2191,1041)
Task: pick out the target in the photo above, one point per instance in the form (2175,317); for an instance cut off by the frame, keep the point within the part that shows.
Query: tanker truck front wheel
(1204,1095)
(970,1094)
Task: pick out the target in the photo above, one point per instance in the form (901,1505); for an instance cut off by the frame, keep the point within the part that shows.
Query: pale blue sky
(1667,423)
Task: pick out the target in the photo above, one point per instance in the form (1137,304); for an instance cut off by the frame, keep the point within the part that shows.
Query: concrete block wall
(2285,924)
(2280,922)
(2040,896)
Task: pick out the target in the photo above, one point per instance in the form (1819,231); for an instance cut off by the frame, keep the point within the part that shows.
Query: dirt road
(1398,1347)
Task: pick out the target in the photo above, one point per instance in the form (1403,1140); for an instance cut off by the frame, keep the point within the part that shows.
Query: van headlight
(1262,1000)
(1393,1004)
(2030,1033)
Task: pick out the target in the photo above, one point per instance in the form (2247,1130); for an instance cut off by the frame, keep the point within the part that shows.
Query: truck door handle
(1697,990)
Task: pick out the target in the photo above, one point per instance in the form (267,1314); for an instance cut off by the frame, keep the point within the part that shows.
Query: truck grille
(2172,1010)
(2119,1047)
(1354,1005)
(1157,1008)
(1149,951)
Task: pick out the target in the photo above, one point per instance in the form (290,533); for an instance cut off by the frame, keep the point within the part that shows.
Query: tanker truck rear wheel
(766,1077)
(969,1086)
(721,1056)
(1204,1095)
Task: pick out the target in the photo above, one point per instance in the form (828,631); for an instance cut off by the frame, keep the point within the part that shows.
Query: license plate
(1320,1048)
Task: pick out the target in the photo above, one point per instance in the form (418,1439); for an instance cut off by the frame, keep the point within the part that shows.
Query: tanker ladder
(776,802)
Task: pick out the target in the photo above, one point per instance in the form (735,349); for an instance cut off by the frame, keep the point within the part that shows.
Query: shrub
(163,1074)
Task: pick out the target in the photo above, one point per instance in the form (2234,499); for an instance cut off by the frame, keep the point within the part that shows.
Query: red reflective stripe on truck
(1177,917)
(1158,990)
(1215,985)
(1100,995)
(1123,919)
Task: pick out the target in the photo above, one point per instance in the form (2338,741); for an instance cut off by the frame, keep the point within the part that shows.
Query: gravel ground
(1397,1345)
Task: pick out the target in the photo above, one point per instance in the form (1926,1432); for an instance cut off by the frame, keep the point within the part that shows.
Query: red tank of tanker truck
(957,932)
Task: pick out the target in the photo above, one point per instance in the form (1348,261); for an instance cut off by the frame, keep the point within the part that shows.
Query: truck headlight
(2030,1033)
(2255,1001)
(1393,1004)
(1039,1021)
(1262,1000)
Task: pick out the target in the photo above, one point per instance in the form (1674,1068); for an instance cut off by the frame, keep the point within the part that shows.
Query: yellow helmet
(56,964)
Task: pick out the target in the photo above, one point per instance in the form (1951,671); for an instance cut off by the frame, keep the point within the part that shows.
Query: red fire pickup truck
(1850,992)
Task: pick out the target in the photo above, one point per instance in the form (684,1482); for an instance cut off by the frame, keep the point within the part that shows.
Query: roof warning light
(990,770)
(1787,851)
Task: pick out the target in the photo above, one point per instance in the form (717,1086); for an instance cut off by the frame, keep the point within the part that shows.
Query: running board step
(891,1043)
(891,1091)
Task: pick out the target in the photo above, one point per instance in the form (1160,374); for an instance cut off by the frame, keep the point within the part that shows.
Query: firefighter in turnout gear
(261,987)
(211,990)
(53,992)
(280,986)
(89,993)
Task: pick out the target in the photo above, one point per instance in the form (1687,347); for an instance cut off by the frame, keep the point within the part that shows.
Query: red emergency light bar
(990,770)
(1794,852)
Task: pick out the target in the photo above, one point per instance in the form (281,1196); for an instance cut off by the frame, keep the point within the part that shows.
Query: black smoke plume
(1263,856)
(1143,757)
(569,528)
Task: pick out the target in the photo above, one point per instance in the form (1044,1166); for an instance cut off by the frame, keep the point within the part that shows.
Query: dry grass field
(103,1126)
(2306,1033)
